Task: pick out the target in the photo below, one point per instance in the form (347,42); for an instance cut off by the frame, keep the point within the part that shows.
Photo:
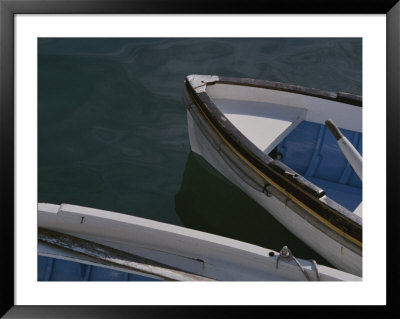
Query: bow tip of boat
(198,80)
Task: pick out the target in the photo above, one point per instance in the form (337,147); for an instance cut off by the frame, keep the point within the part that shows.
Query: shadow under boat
(209,202)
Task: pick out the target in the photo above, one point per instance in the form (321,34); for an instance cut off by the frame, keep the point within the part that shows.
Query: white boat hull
(193,252)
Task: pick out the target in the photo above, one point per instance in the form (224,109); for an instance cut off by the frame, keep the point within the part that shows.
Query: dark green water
(113,132)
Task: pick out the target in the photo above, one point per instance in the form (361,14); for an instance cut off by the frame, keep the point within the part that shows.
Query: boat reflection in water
(208,202)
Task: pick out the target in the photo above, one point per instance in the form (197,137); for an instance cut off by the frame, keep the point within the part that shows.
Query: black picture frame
(8,10)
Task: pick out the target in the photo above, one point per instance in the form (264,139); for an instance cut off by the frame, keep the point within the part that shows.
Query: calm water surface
(113,132)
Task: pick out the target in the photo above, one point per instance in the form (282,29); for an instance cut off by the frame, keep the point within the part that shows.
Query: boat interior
(55,269)
(291,127)
(311,150)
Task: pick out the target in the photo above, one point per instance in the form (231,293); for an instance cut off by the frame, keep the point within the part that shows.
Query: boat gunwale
(298,186)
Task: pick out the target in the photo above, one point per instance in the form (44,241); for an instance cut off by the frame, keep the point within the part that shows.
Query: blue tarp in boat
(312,151)
(52,269)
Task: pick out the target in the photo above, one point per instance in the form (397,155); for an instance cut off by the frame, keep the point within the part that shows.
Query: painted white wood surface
(264,124)
(200,253)
(318,110)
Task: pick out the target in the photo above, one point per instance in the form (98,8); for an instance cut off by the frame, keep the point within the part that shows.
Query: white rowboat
(270,140)
(163,251)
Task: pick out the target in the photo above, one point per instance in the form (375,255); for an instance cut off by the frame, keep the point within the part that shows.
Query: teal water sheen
(112,130)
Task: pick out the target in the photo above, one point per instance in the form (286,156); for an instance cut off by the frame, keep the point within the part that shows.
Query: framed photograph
(98,104)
